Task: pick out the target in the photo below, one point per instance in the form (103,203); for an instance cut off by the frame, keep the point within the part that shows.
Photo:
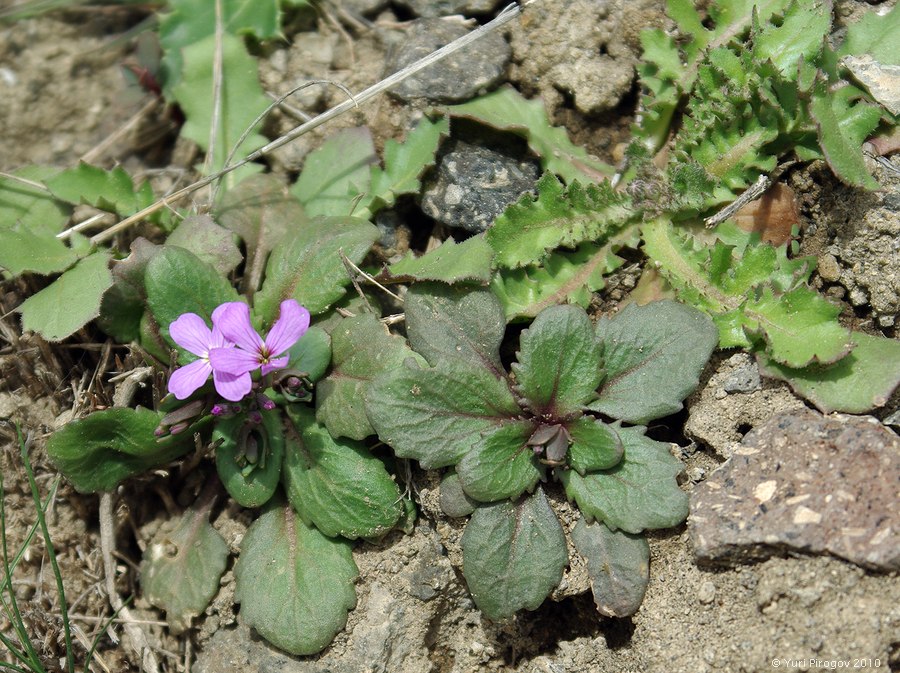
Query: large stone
(802,482)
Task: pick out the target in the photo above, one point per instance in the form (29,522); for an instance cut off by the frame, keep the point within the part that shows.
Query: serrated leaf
(558,365)
(861,381)
(513,555)
(208,241)
(23,249)
(336,172)
(639,493)
(241,100)
(437,415)
(876,35)
(249,485)
(337,485)
(180,570)
(362,349)
(71,301)
(595,445)
(177,282)
(798,38)
(294,584)
(618,564)
(261,211)
(843,127)
(99,451)
(558,216)
(501,466)
(108,190)
(307,265)
(563,277)
(311,355)
(403,166)
(455,322)
(653,356)
(507,110)
(469,261)
(31,208)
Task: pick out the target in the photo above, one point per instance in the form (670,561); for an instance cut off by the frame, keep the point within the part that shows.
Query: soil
(63,92)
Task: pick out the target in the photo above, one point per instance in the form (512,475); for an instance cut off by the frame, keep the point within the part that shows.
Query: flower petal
(233,320)
(218,340)
(191,332)
(185,380)
(233,361)
(232,387)
(274,363)
(292,323)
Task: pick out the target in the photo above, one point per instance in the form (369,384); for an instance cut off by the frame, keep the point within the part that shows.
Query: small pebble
(706,594)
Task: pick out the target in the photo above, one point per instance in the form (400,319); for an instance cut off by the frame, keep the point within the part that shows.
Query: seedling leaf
(469,261)
(501,466)
(249,485)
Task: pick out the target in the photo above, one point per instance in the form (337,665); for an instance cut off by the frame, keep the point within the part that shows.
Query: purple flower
(252,352)
(191,333)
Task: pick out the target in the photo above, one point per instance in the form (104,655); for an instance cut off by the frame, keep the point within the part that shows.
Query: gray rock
(802,482)
(458,77)
(743,379)
(473,184)
(436,8)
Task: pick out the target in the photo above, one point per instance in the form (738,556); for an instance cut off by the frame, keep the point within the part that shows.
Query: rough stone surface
(436,8)
(458,77)
(802,482)
(473,184)
(586,49)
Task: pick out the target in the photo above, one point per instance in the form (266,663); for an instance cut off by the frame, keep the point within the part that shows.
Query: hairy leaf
(362,349)
(302,605)
(639,493)
(618,564)
(337,485)
(438,415)
(469,261)
(595,445)
(653,356)
(180,570)
(513,555)
(559,362)
(501,466)
(507,110)
(210,242)
(251,484)
(108,190)
(876,35)
(311,355)
(31,208)
(23,249)
(454,501)
(71,301)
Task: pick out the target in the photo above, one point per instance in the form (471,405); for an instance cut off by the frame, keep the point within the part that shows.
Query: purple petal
(191,333)
(233,361)
(274,363)
(218,340)
(185,380)
(292,323)
(233,320)
(232,388)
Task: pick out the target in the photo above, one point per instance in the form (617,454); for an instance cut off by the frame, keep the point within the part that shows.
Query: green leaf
(108,190)
(653,356)
(501,466)
(250,480)
(307,265)
(181,568)
(563,277)
(362,349)
(294,584)
(178,282)
(71,301)
(639,493)
(513,555)
(260,211)
(507,110)
(336,172)
(337,485)
(404,164)
(311,354)
(875,35)
(241,101)
(559,362)
(843,127)
(469,261)
(208,241)
(455,322)
(98,452)
(558,216)
(856,384)
(437,415)
(31,208)
(23,249)
(797,39)
(618,564)
(454,501)
(595,445)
